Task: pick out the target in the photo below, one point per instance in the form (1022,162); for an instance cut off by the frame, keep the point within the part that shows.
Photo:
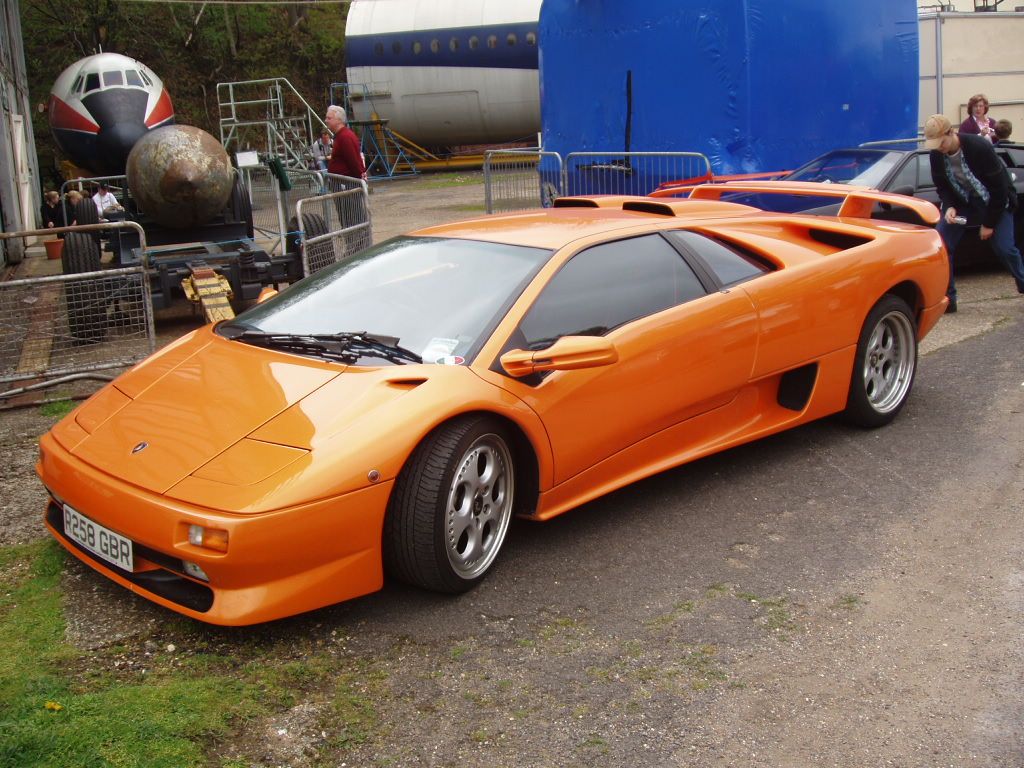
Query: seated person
(1003,130)
(105,200)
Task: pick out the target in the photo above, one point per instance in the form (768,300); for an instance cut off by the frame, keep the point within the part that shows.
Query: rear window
(727,263)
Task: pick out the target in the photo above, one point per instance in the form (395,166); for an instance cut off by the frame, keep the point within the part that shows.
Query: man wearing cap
(104,200)
(973,184)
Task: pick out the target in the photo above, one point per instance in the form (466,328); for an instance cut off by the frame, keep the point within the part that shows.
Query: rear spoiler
(857,201)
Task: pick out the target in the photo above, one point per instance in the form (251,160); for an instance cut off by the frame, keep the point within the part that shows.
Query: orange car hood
(174,413)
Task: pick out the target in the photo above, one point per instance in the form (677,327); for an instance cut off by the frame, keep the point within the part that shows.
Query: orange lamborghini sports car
(390,414)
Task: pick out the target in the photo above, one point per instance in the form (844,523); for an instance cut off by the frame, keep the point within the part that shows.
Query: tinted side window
(907,176)
(608,285)
(728,265)
(924,170)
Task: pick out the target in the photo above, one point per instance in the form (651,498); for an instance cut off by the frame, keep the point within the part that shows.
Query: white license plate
(102,542)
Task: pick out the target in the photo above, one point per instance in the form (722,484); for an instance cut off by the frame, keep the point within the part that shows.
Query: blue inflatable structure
(755,85)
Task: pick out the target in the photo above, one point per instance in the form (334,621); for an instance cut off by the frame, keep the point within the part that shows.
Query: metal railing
(515,179)
(628,173)
(334,226)
(529,178)
(269,115)
(68,327)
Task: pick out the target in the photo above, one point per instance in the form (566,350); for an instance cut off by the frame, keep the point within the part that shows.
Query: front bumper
(277,564)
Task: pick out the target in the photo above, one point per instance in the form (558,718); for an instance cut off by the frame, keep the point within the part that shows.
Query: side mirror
(905,189)
(566,354)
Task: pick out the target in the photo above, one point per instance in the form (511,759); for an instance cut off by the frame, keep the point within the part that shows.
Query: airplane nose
(114,144)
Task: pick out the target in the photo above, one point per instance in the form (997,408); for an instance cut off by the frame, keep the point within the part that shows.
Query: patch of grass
(773,610)
(443,180)
(58,409)
(458,652)
(716,590)
(850,602)
(678,611)
(469,208)
(59,706)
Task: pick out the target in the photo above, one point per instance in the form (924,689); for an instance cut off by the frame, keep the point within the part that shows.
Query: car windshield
(859,167)
(439,298)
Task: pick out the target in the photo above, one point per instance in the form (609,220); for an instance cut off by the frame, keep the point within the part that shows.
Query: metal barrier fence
(628,173)
(529,178)
(72,326)
(515,179)
(334,226)
(275,210)
(118,186)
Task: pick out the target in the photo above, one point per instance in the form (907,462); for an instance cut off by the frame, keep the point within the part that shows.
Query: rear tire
(85,301)
(322,254)
(85,212)
(451,506)
(885,364)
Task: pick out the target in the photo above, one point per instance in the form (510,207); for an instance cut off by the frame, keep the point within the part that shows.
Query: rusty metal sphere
(180,176)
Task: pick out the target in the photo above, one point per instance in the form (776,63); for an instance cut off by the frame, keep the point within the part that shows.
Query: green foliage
(192,47)
(62,707)
(57,409)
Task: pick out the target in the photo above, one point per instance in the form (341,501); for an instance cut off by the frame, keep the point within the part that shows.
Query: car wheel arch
(910,292)
(525,455)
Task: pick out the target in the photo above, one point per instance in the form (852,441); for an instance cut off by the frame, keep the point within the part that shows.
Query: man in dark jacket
(975,189)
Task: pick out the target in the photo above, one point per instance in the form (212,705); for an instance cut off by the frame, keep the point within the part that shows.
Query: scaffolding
(269,116)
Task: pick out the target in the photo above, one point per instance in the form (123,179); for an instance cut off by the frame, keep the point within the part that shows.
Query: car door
(682,349)
(913,178)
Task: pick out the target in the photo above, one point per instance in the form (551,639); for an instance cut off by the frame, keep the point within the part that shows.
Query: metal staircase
(388,154)
(269,116)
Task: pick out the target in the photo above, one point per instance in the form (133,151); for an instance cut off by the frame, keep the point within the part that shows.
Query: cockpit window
(133,78)
(145,77)
(113,78)
(78,85)
(92,81)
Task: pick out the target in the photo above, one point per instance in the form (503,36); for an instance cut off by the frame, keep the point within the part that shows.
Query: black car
(903,167)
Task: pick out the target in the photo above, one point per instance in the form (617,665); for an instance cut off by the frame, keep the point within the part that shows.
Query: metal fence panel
(334,226)
(629,173)
(92,321)
(518,179)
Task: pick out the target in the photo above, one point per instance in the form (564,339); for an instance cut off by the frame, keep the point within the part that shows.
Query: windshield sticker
(451,360)
(437,348)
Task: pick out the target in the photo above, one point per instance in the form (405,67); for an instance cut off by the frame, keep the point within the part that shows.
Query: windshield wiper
(345,347)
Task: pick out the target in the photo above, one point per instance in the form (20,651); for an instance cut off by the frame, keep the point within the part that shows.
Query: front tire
(451,506)
(884,368)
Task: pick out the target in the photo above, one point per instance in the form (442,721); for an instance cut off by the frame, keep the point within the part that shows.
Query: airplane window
(511,39)
(492,41)
(474,42)
(92,81)
(531,38)
(378,49)
(396,47)
(113,78)
(453,44)
(435,46)
(133,78)
(145,77)
(417,47)
(78,85)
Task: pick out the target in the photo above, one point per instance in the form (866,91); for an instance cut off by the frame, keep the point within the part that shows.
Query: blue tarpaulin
(756,85)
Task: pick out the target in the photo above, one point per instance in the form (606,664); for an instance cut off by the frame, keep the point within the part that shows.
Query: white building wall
(962,54)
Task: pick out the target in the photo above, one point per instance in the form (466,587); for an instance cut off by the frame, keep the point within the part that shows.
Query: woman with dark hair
(978,121)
